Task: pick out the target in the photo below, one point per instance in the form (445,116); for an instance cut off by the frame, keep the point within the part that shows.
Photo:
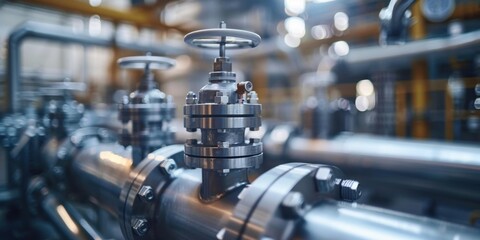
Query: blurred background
(413,92)
(388,91)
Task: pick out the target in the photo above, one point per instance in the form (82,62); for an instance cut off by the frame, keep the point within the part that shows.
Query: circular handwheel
(146,62)
(61,88)
(217,37)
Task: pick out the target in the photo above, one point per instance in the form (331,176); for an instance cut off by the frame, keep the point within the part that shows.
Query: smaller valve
(148,109)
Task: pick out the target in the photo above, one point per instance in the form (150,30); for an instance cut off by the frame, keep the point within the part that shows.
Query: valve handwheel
(223,38)
(147,62)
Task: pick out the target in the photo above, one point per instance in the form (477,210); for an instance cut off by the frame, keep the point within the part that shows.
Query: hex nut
(191,98)
(146,193)
(476,104)
(350,190)
(168,166)
(252,97)
(324,180)
(221,98)
(140,226)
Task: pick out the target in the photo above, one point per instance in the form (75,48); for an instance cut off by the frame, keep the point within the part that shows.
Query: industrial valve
(62,114)
(222,111)
(148,109)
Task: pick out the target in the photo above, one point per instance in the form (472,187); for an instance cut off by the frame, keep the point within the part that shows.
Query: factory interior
(240,119)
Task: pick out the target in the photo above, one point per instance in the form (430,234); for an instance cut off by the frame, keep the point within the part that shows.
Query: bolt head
(476,104)
(221,98)
(168,166)
(191,98)
(252,97)
(350,190)
(324,180)
(140,226)
(146,193)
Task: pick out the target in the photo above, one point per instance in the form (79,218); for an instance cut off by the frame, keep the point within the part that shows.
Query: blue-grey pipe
(338,220)
(60,34)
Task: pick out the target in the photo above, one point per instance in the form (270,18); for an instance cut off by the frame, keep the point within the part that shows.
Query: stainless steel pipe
(336,220)
(447,170)
(175,210)
(100,171)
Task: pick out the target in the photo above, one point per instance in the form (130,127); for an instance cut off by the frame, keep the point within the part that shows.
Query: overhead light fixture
(295,26)
(320,32)
(321,1)
(294,7)
(291,41)
(340,21)
(95,3)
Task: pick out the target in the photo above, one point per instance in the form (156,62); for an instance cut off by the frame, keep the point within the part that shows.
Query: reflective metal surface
(64,217)
(336,220)
(100,171)
(222,112)
(183,216)
(431,168)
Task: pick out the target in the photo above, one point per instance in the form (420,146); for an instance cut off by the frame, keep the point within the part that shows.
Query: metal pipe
(64,217)
(61,34)
(101,171)
(337,220)
(179,213)
(412,49)
(433,168)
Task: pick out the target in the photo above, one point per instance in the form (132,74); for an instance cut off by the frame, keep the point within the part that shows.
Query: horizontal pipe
(180,214)
(31,30)
(100,171)
(432,168)
(412,49)
(337,220)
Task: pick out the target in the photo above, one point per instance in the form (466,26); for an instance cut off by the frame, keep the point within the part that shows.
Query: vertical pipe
(419,79)
(449,113)
(401,109)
